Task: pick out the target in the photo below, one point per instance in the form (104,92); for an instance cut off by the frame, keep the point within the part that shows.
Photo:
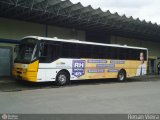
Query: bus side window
(99,52)
(43,50)
(95,52)
(84,51)
(49,53)
(55,51)
(112,51)
(122,53)
(108,52)
(145,54)
(69,50)
(136,54)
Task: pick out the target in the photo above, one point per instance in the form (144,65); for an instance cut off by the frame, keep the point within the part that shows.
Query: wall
(65,33)
(14,29)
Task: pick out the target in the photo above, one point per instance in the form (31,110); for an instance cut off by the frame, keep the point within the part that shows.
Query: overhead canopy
(66,14)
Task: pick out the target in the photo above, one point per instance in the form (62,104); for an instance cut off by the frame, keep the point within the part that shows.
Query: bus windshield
(27,51)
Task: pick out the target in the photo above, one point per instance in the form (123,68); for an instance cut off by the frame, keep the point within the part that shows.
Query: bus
(42,59)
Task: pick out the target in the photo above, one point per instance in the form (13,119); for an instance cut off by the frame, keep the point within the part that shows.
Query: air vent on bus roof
(73,39)
(55,37)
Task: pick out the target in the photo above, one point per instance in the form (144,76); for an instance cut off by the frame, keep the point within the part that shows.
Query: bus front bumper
(25,75)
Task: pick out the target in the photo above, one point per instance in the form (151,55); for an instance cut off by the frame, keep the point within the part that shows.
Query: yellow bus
(42,59)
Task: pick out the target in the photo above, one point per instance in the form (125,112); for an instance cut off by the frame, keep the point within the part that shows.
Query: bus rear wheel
(62,78)
(121,76)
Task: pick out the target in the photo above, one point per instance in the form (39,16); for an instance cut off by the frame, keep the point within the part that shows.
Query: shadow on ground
(14,85)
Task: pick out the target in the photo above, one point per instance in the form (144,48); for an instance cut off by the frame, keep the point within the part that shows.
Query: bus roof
(82,42)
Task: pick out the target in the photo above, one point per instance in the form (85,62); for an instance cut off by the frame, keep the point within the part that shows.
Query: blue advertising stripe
(112,70)
(105,66)
(2,40)
(96,71)
(97,61)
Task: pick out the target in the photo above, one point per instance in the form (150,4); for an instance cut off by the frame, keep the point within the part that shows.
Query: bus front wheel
(62,78)
(121,76)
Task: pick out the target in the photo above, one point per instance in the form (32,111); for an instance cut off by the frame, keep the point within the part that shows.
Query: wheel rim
(121,76)
(62,79)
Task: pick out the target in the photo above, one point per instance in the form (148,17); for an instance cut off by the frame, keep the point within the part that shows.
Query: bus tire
(121,77)
(62,78)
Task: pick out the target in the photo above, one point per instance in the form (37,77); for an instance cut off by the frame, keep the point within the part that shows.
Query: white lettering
(79,65)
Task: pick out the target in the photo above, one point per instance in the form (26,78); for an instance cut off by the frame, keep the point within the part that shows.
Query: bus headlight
(25,66)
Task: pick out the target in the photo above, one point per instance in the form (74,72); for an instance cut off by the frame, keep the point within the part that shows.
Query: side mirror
(16,48)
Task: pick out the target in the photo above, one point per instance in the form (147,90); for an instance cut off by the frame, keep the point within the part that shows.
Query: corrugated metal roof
(66,14)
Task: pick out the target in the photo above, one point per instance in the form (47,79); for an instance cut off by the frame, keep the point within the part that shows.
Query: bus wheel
(121,76)
(62,78)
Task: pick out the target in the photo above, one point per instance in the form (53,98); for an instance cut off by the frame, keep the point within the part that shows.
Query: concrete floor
(139,96)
